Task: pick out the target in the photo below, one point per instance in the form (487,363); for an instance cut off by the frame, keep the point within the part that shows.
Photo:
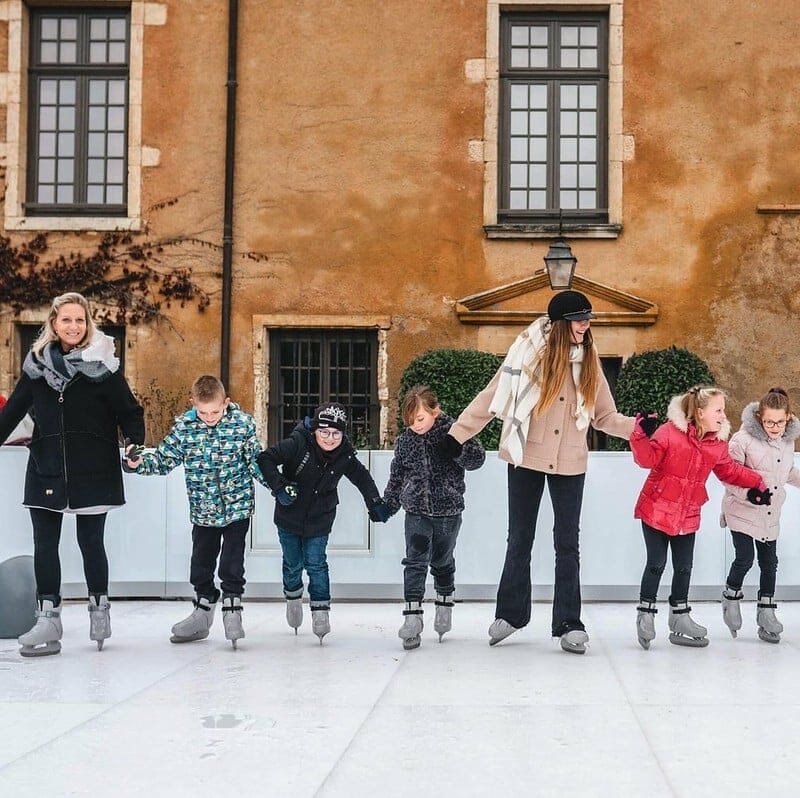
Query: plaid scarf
(96,362)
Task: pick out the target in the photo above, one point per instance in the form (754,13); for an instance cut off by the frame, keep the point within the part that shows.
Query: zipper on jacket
(63,442)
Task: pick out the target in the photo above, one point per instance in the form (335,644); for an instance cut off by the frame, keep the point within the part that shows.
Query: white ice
(358,716)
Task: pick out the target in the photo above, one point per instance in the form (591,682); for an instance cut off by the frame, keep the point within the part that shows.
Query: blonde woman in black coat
(72,383)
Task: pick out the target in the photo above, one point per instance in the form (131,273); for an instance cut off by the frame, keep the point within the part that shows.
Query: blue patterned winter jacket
(423,482)
(219,461)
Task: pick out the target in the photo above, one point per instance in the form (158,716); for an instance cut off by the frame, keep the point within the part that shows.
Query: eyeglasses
(333,434)
(774,424)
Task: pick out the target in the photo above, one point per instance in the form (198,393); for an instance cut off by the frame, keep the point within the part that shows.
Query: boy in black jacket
(303,471)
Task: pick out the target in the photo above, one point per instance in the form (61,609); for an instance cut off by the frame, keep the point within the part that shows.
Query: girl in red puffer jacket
(680,455)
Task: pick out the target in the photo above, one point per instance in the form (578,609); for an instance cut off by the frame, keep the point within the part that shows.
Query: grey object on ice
(294,613)
(574,641)
(500,630)
(683,629)
(232,618)
(320,623)
(17,596)
(411,630)
(646,623)
(443,620)
(769,627)
(196,625)
(45,637)
(731,609)
(99,620)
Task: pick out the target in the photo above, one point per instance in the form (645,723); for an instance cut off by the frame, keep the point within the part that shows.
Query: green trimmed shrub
(648,381)
(457,376)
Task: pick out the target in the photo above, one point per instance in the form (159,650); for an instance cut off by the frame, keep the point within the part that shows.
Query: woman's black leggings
(46,563)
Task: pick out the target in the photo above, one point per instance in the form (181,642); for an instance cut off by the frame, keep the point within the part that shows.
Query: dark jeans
(311,554)
(743,562)
(206,542)
(525,489)
(430,541)
(682,548)
(46,562)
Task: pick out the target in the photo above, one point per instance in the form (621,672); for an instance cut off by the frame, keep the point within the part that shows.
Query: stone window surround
(13,93)
(261,325)
(620,147)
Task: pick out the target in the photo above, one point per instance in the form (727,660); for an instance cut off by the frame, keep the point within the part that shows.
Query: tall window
(78,112)
(308,367)
(553,117)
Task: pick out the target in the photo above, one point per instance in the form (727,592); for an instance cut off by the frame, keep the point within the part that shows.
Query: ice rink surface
(358,716)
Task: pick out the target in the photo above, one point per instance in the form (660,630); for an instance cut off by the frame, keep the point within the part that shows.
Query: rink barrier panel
(149,541)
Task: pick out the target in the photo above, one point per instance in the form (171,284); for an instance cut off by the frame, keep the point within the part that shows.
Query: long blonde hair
(48,334)
(552,366)
(697,398)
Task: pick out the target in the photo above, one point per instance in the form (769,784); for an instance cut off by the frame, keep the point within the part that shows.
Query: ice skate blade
(441,636)
(733,633)
(191,639)
(644,643)
(100,645)
(233,643)
(410,643)
(689,642)
(53,647)
(768,637)
(320,638)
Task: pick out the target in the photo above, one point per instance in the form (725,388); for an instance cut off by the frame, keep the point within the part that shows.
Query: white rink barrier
(149,541)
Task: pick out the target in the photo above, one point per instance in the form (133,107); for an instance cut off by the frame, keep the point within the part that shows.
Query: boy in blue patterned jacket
(427,480)
(216,443)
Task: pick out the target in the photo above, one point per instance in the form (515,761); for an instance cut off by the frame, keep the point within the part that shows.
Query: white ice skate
(320,622)
(197,624)
(411,630)
(232,618)
(294,612)
(45,636)
(574,641)
(769,627)
(500,630)
(683,630)
(646,623)
(99,619)
(731,609)
(443,620)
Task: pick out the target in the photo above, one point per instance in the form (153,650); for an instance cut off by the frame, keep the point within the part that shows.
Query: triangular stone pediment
(523,301)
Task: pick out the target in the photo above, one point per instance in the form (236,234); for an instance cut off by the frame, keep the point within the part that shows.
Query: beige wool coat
(554,444)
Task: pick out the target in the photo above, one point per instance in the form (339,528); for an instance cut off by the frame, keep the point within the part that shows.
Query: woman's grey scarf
(96,362)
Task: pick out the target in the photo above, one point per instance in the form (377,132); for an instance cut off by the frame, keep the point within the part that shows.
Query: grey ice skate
(320,622)
(731,609)
(411,630)
(500,630)
(45,636)
(232,618)
(443,620)
(683,630)
(197,624)
(294,612)
(574,641)
(646,623)
(99,619)
(769,627)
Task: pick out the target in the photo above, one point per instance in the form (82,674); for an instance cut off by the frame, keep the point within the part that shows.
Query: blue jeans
(311,554)
(430,541)
(525,489)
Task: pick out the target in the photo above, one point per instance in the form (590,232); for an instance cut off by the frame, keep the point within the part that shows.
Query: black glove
(135,453)
(287,495)
(760,497)
(449,448)
(380,511)
(647,422)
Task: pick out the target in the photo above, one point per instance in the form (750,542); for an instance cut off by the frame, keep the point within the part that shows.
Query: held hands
(449,448)
(380,511)
(647,423)
(759,497)
(133,456)
(287,495)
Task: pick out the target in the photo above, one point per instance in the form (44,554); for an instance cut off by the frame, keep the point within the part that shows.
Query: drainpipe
(227,226)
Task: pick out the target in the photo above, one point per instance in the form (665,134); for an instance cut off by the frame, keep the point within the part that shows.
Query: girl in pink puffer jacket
(681,455)
(765,443)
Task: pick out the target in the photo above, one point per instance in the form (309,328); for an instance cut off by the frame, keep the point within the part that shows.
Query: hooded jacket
(74,451)
(680,463)
(421,480)
(774,461)
(298,460)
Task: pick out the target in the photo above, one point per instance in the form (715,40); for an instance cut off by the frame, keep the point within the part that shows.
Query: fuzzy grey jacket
(774,460)
(421,480)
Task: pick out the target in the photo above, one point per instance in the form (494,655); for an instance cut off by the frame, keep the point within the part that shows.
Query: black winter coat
(423,482)
(298,459)
(74,452)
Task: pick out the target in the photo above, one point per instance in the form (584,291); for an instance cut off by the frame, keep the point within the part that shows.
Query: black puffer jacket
(298,459)
(74,452)
(421,480)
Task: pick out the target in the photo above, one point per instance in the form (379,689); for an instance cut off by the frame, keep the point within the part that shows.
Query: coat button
(560,398)
(551,466)
(556,432)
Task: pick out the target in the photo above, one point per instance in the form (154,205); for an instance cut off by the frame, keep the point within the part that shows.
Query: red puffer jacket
(679,463)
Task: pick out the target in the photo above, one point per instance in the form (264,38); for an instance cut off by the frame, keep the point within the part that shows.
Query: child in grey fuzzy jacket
(427,481)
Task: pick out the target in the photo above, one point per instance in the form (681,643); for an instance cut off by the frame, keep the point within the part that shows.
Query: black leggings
(657,543)
(46,563)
